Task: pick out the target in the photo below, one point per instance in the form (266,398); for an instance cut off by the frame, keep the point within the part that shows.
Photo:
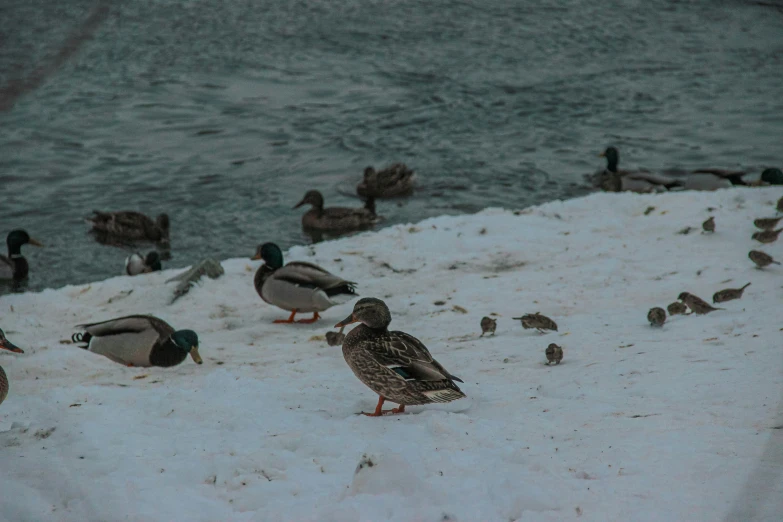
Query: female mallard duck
(7,345)
(393,181)
(130,226)
(395,365)
(336,219)
(135,264)
(298,286)
(15,267)
(139,340)
(613,180)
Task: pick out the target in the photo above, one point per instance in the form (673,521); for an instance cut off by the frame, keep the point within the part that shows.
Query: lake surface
(223,114)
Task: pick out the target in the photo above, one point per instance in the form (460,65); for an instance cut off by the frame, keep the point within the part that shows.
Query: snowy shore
(637,423)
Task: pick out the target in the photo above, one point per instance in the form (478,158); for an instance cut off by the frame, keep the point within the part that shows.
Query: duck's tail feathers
(444,395)
(347,288)
(82,337)
(455,378)
(744,287)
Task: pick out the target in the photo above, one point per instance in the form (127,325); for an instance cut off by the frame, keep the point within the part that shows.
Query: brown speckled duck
(130,226)
(395,365)
(139,340)
(612,179)
(6,345)
(15,267)
(336,219)
(394,181)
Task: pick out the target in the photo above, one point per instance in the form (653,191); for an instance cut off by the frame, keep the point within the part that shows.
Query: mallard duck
(336,219)
(15,267)
(298,287)
(135,264)
(6,345)
(613,180)
(395,365)
(139,340)
(393,181)
(130,226)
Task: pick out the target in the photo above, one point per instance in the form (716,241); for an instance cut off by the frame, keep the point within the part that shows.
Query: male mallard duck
(130,226)
(613,180)
(395,365)
(7,345)
(772,176)
(393,181)
(135,264)
(139,340)
(336,219)
(15,267)
(298,286)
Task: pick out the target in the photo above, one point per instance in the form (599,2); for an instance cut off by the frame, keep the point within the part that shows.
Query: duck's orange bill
(348,320)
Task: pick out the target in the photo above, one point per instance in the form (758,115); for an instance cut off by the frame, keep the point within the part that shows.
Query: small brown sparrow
(677,308)
(656,316)
(335,338)
(728,294)
(554,354)
(766,223)
(488,325)
(767,236)
(537,321)
(761,259)
(696,304)
(709,225)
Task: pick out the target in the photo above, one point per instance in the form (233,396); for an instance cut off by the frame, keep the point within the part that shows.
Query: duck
(772,176)
(336,219)
(613,180)
(130,226)
(135,264)
(139,340)
(6,345)
(15,267)
(394,181)
(298,287)
(395,365)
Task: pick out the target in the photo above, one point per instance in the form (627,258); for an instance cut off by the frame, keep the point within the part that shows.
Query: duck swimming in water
(394,181)
(336,219)
(130,226)
(15,267)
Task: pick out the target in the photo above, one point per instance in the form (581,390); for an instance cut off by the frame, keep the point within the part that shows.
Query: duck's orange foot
(310,321)
(290,319)
(379,411)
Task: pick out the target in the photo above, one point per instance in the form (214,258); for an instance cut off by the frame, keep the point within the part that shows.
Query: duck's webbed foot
(310,321)
(286,321)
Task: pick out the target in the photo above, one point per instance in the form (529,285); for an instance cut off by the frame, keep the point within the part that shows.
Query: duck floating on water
(139,340)
(15,267)
(394,181)
(135,264)
(5,344)
(395,365)
(336,219)
(298,287)
(130,226)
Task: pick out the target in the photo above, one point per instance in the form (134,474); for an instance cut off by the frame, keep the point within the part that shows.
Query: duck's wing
(406,356)
(6,268)
(309,275)
(127,325)
(341,213)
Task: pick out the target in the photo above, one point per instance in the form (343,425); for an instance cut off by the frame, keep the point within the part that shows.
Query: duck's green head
(772,176)
(312,197)
(369,311)
(153,261)
(17,238)
(612,156)
(271,254)
(188,341)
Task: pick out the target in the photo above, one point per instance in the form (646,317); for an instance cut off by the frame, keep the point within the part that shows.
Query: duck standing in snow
(139,340)
(761,259)
(135,264)
(6,345)
(393,181)
(336,219)
(298,287)
(395,365)
(130,226)
(15,267)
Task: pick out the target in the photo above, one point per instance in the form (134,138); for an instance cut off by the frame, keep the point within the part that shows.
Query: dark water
(224,113)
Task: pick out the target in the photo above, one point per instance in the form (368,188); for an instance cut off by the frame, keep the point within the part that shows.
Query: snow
(637,423)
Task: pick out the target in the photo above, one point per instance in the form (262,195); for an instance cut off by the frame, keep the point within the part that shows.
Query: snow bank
(637,423)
